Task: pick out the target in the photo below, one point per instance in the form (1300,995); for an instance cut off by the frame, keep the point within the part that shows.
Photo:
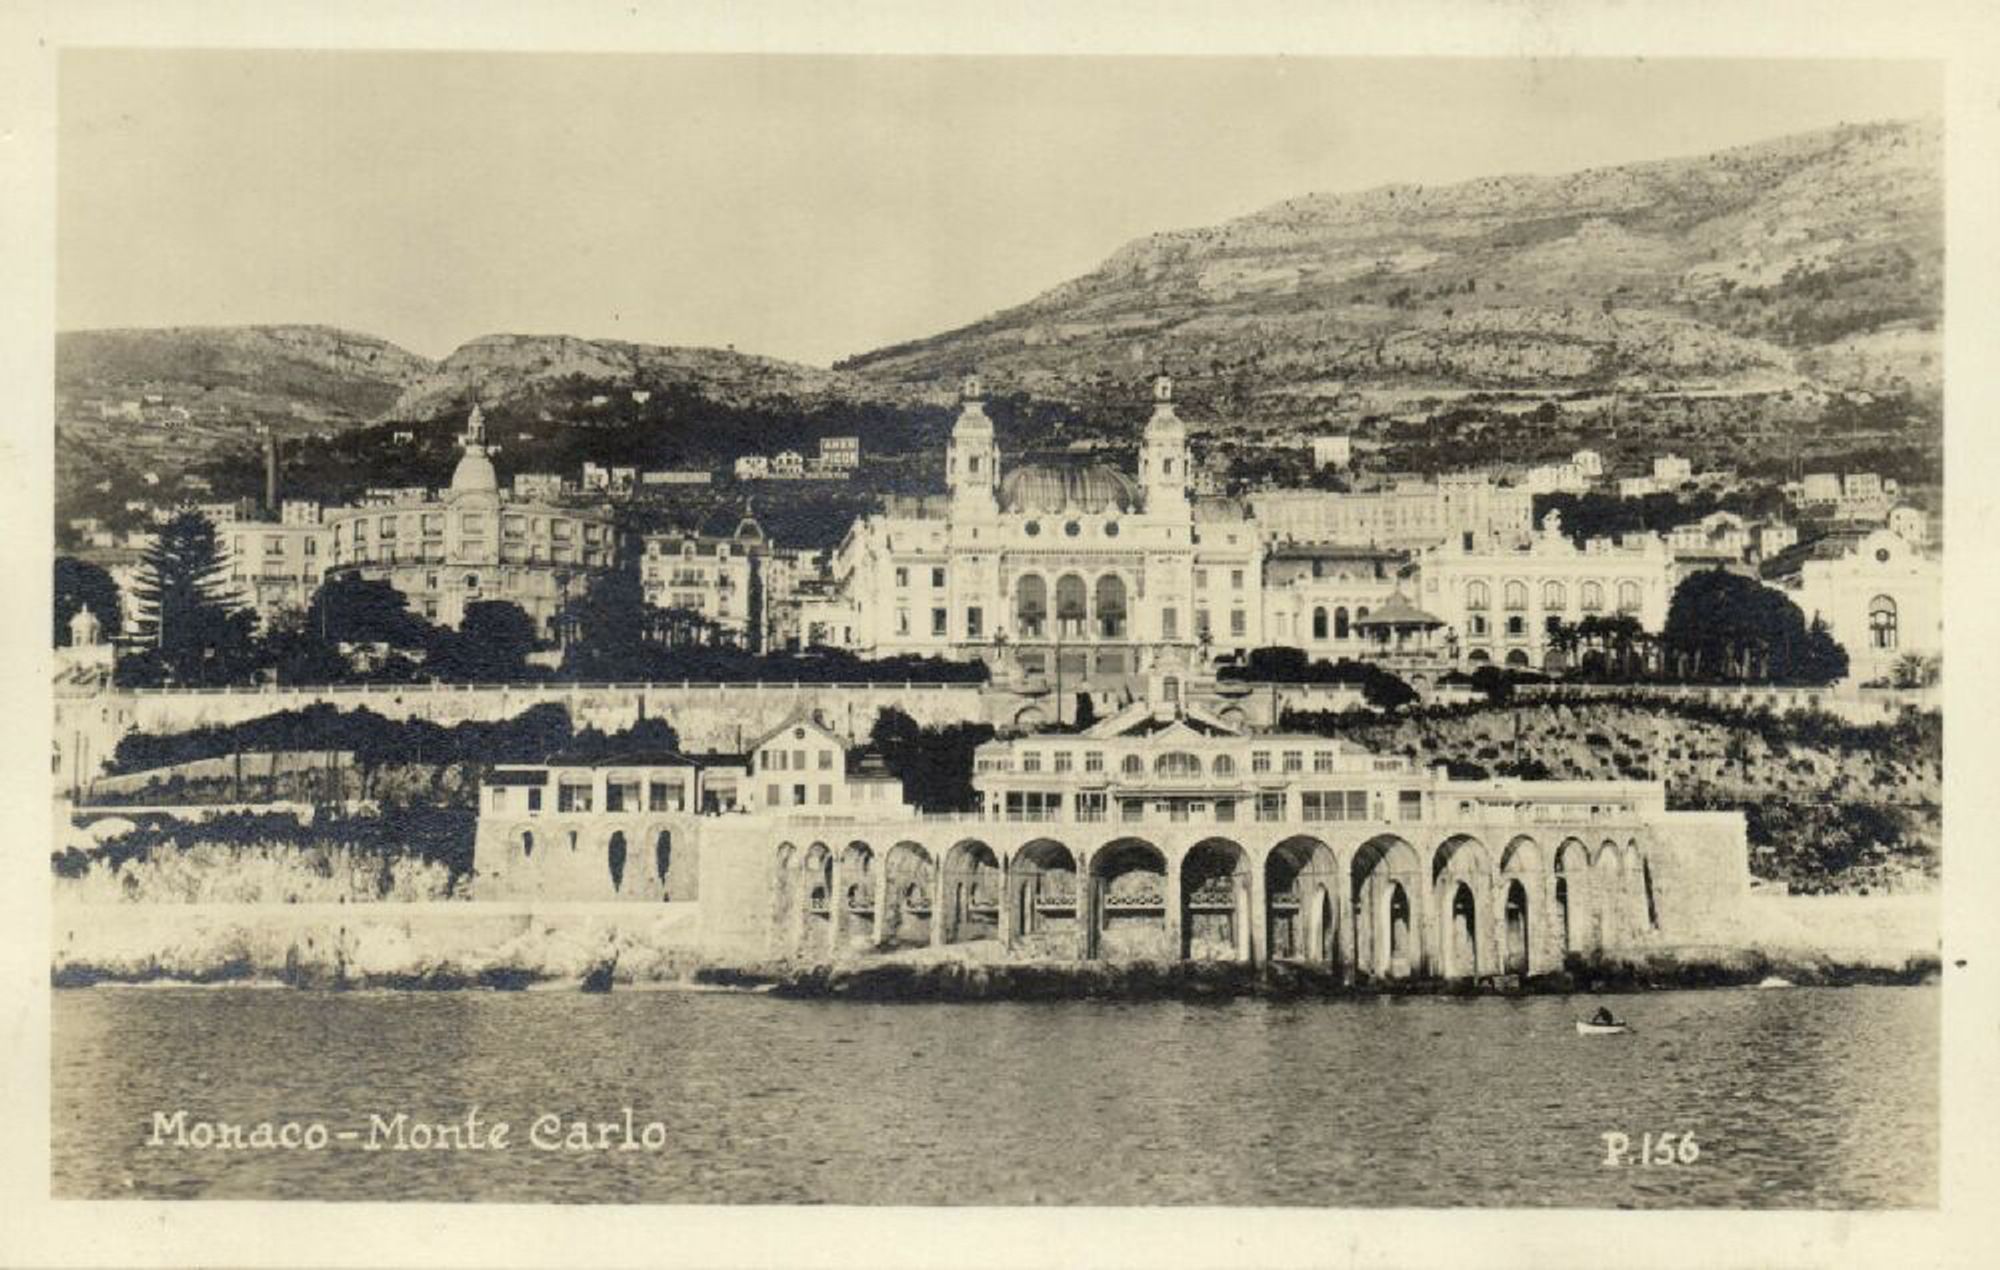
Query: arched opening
(1070,603)
(784,897)
(1385,872)
(1517,928)
(1301,877)
(663,858)
(1111,607)
(1042,897)
(1125,903)
(1341,624)
(1461,956)
(527,844)
(1883,623)
(816,889)
(912,882)
(1031,607)
(615,858)
(1030,719)
(1399,930)
(1517,657)
(972,885)
(1572,866)
(1319,622)
(854,917)
(1215,902)
(1462,873)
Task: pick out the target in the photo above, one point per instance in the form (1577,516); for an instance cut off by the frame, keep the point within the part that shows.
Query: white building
(1332,451)
(299,511)
(1553,478)
(1414,514)
(1076,571)
(1671,471)
(1911,525)
(752,467)
(1883,599)
(788,465)
(1637,486)
(1499,598)
(1820,487)
(543,485)
(719,578)
(1588,462)
(840,454)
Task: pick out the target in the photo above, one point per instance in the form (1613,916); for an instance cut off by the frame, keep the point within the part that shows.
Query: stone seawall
(1808,940)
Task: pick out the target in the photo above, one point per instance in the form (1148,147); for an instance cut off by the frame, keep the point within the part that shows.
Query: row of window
(1177,764)
(471,524)
(793,760)
(1555,595)
(572,796)
(1268,807)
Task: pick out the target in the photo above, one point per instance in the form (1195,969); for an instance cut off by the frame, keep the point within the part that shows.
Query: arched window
(1593,597)
(1031,605)
(1111,606)
(1223,765)
(1319,623)
(1554,595)
(1133,765)
(1476,596)
(1628,597)
(1070,597)
(1177,763)
(1340,626)
(1882,632)
(1516,595)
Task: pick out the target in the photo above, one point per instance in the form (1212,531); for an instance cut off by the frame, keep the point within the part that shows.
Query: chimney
(271,474)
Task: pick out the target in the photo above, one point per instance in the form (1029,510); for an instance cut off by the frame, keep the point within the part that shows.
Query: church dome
(1056,487)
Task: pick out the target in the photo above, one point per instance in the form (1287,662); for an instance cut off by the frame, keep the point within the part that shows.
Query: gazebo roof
(1397,611)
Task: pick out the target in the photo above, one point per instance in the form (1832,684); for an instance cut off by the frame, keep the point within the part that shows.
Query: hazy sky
(802,207)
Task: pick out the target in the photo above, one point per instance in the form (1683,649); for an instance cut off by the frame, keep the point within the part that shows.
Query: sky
(802,207)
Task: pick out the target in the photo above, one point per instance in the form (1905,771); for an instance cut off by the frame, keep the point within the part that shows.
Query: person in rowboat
(1604,1017)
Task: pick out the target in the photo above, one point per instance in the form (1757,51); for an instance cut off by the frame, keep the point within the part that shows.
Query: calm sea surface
(1798,1098)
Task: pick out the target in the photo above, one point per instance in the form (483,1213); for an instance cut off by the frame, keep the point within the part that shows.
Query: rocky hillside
(223,375)
(567,375)
(1814,256)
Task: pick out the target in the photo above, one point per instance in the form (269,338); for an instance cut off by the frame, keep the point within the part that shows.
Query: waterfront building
(1499,597)
(1161,833)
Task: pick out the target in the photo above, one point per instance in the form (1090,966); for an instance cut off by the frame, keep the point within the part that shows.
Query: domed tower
(972,460)
(474,474)
(1163,458)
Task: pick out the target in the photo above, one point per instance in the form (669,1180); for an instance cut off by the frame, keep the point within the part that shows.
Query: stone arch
(1301,889)
(1232,715)
(816,887)
(1125,901)
(910,877)
(971,885)
(1385,871)
(1517,941)
(1042,896)
(1522,858)
(1517,657)
(1030,718)
(1607,879)
(854,913)
(1572,893)
(1462,879)
(1215,902)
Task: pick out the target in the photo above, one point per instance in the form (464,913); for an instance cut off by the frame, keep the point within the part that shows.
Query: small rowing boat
(1600,1029)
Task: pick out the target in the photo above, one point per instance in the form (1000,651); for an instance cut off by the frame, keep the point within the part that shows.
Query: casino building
(1066,573)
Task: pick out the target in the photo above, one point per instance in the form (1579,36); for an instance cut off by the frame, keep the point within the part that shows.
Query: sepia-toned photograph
(959,631)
